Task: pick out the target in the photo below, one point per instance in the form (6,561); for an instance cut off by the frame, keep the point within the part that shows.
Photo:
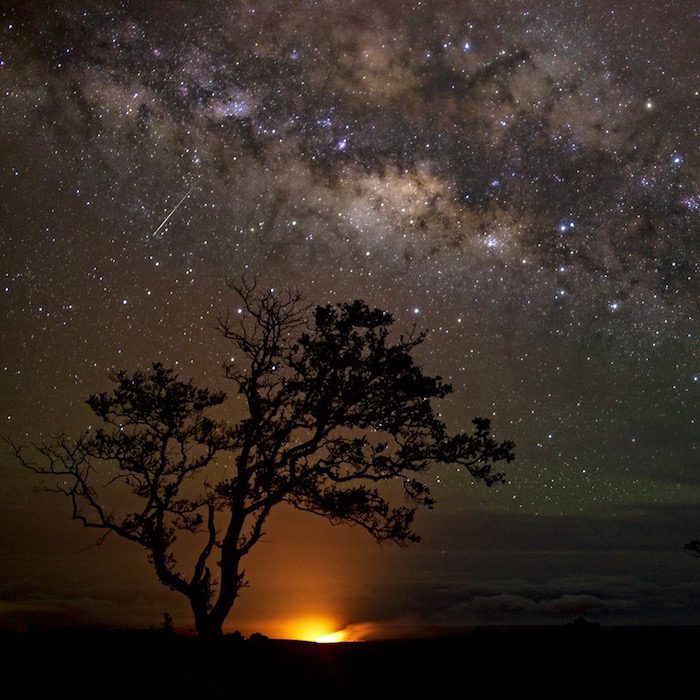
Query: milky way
(520,179)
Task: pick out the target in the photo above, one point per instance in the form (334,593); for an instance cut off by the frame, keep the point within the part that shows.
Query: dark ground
(567,661)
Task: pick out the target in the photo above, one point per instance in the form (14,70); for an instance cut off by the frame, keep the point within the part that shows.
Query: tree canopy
(335,408)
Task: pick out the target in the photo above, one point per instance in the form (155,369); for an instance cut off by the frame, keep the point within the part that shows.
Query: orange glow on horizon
(311,629)
(333,637)
(322,630)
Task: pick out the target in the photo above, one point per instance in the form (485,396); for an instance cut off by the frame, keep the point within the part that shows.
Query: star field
(520,179)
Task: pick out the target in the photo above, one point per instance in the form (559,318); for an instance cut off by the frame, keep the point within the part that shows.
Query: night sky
(520,179)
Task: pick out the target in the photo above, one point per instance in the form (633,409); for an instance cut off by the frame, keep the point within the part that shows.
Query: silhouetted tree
(334,408)
(156,436)
(167,626)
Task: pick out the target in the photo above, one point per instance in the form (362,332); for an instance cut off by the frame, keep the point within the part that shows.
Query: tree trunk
(209,623)
(228,592)
(206,630)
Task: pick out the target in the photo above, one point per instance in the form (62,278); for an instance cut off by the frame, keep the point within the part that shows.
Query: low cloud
(567,605)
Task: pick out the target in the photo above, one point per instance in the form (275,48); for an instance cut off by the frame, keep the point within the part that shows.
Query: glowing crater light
(312,629)
(332,638)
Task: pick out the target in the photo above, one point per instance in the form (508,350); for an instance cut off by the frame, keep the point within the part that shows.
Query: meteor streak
(172,211)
